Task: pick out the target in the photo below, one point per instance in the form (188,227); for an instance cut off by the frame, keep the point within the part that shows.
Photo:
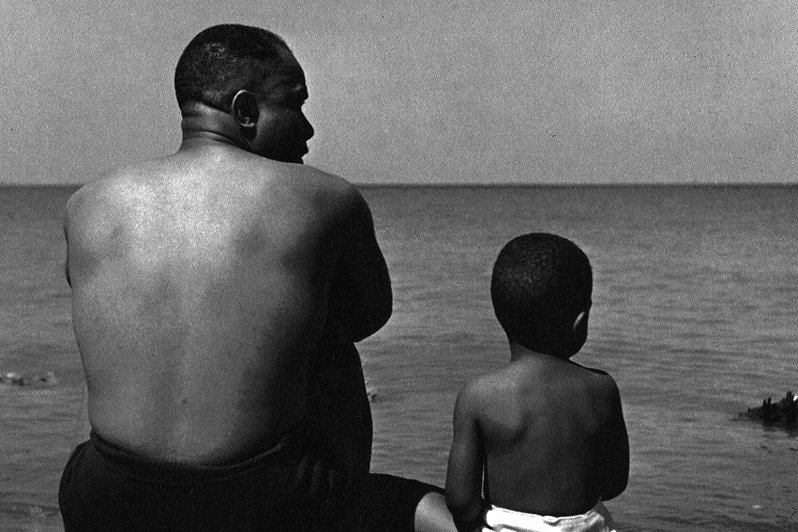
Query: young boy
(544,437)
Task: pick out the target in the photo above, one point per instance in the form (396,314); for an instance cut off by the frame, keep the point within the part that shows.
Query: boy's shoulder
(519,379)
(476,391)
(488,384)
(491,393)
(598,380)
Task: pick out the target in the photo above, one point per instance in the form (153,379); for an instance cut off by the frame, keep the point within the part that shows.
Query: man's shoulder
(324,193)
(121,185)
(108,188)
(299,183)
(317,182)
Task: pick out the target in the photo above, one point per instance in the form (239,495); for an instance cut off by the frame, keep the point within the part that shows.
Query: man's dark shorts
(105,488)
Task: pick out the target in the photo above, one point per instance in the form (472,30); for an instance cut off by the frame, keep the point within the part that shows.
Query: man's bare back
(200,285)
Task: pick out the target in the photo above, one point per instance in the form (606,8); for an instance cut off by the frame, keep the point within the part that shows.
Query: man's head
(250,74)
(541,292)
(222,60)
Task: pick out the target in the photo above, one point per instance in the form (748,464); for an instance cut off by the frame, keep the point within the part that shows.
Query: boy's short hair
(540,284)
(221,60)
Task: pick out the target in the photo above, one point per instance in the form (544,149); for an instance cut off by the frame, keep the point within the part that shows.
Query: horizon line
(493,185)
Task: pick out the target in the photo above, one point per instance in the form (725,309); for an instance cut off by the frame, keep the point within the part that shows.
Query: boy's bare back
(543,436)
(213,269)
(552,433)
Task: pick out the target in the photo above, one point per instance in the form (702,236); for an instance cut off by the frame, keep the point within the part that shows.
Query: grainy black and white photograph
(468,265)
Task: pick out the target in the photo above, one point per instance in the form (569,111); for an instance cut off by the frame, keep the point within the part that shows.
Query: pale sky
(419,91)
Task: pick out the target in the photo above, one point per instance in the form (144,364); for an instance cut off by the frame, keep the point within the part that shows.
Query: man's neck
(204,125)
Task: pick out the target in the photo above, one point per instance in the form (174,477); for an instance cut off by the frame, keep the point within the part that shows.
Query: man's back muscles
(197,301)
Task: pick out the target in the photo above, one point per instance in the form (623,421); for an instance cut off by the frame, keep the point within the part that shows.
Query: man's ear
(581,318)
(244,109)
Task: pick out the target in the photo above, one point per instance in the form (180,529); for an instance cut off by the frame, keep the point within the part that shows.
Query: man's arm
(615,459)
(71,217)
(361,291)
(466,459)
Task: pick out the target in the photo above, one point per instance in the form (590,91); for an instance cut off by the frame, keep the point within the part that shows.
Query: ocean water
(695,315)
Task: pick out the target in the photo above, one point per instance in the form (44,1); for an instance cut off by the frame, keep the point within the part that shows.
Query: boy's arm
(466,459)
(361,291)
(615,456)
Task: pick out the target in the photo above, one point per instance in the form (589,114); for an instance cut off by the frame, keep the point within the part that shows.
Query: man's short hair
(540,284)
(224,59)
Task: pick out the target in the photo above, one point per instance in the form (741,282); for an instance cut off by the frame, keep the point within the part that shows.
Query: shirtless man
(216,294)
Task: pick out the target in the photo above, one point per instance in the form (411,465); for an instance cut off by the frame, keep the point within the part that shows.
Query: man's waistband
(144,468)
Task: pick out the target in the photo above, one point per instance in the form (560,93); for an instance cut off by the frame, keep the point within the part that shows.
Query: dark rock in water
(18,379)
(784,412)
(371,392)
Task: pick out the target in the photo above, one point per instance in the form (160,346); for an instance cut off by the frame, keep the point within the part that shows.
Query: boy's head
(541,288)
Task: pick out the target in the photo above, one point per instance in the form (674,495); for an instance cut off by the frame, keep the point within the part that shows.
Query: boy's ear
(582,317)
(244,109)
